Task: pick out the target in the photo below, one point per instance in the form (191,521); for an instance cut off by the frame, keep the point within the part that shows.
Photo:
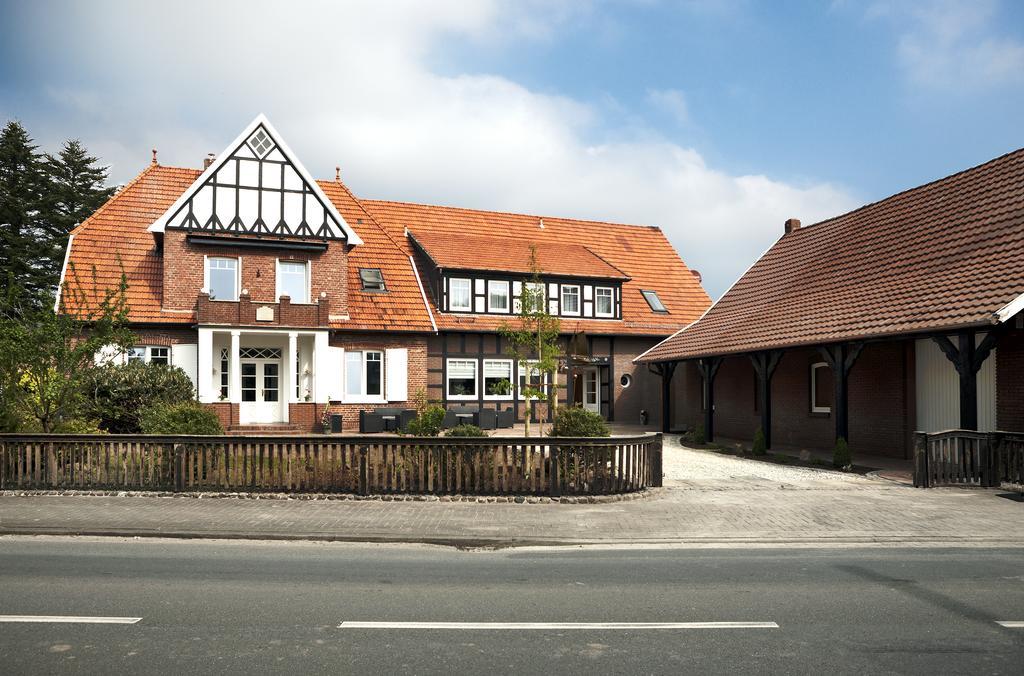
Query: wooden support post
(764,365)
(840,358)
(657,462)
(708,368)
(967,360)
(554,475)
(921,479)
(666,370)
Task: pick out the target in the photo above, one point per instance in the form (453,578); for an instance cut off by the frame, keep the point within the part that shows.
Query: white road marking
(1011,624)
(74,619)
(557,625)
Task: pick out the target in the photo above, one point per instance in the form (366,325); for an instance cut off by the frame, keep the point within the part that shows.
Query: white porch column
(321,377)
(207,388)
(291,375)
(235,370)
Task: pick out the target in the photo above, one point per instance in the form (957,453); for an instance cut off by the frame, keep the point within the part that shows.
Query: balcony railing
(247,312)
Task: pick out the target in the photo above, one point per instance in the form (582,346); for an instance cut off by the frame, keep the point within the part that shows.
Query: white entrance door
(591,391)
(261,392)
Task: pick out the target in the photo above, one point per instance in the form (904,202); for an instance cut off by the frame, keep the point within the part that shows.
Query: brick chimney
(208,160)
(792,224)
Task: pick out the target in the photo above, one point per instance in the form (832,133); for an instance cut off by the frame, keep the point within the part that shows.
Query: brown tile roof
(116,238)
(508,254)
(642,253)
(945,255)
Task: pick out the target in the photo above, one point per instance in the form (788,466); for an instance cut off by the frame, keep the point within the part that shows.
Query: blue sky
(714,120)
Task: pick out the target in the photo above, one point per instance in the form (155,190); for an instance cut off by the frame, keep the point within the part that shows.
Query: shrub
(465,430)
(841,456)
(118,394)
(427,423)
(760,446)
(188,417)
(575,421)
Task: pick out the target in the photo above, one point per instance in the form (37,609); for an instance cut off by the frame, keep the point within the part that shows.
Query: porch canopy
(941,261)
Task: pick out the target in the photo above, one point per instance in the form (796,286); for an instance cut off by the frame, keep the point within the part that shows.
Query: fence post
(178,468)
(990,461)
(364,478)
(554,474)
(657,472)
(921,478)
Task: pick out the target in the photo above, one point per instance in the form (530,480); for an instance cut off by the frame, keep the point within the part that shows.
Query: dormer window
(372,279)
(222,278)
(652,299)
(460,295)
(570,300)
(497,296)
(604,305)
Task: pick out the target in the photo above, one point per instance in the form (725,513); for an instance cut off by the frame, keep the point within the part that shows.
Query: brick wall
(644,391)
(184,271)
(416,344)
(881,401)
(1010,382)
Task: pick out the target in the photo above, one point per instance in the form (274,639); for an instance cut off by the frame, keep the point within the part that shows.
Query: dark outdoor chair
(450,420)
(391,416)
(487,419)
(370,423)
(506,418)
(406,417)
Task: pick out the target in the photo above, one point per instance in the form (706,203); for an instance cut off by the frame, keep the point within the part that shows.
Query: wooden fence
(968,458)
(333,464)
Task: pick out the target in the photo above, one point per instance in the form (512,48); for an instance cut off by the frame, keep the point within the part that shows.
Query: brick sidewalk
(681,513)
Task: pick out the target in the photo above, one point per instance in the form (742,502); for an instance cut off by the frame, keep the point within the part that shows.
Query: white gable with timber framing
(257,187)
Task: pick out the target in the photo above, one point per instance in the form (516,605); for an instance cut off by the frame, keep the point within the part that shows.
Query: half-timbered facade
(283,296)
(904,315)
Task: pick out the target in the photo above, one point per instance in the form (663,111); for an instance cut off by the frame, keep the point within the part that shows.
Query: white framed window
(461,379)
(497,378)
(570,300)
(604,301)
(460,294)
(149,354)
(532,296)
(293,280)
(821,388)
(364,373)
(497,296)
(222,278)
(531,376)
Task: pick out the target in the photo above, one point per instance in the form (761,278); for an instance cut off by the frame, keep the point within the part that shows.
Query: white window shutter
(329,373)
(396,369)
(110,354)
(186,358)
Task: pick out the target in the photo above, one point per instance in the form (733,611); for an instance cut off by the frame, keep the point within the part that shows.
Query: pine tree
(24,243)
(77,187)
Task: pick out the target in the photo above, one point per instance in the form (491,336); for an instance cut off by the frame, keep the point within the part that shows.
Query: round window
(626,380)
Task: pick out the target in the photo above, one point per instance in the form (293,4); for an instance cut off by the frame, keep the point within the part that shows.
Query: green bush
(576,421)
(465,430)
(118,394)
(188,417)
(427,423)
(760,446)
(841,456)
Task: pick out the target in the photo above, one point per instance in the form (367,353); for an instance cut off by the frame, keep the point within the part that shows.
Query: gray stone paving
(707,498)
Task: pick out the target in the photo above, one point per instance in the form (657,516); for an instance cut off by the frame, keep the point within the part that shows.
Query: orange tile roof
(640,252)
(116,238)
(942,256)
(507,254)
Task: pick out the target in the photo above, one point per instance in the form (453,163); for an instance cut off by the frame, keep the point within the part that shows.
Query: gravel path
(705,469)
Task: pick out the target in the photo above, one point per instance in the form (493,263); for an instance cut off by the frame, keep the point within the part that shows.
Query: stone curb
(478,499)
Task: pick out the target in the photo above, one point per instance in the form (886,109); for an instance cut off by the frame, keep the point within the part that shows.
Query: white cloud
(359,87)
(671,101)
(954,45)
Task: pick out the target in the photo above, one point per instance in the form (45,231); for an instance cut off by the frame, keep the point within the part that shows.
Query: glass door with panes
(261,387)
(591,391)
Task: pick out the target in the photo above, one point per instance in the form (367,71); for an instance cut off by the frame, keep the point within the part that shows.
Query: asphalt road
(244,607)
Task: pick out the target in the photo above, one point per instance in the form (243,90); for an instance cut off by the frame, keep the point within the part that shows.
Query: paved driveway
(692,468)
